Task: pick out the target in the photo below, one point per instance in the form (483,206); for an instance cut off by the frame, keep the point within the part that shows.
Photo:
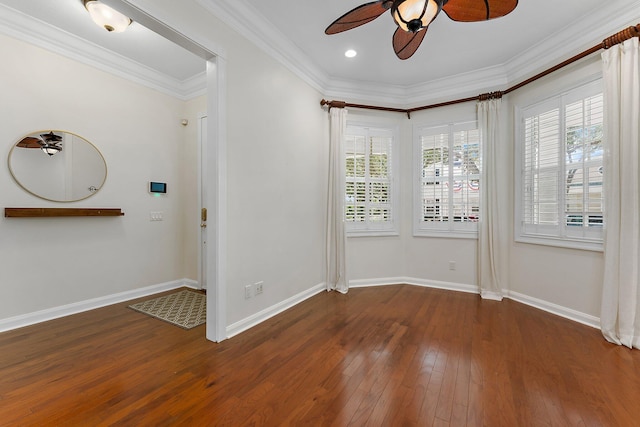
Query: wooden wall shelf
(54,212)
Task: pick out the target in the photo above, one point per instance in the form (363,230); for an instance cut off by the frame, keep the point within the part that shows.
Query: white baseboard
(90,304)
(247,323)
(261,316)
(460,287)
(558,310)
(495,296)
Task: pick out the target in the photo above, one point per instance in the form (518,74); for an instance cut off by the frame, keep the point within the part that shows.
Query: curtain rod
(619,37)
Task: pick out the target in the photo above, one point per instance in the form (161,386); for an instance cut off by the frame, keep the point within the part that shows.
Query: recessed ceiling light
(350,53)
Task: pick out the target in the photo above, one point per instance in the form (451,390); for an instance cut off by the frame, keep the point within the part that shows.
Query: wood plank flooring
(384,356)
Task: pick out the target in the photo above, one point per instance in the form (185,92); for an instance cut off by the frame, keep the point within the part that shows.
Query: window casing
(370,184)
(447,180)
(559,175)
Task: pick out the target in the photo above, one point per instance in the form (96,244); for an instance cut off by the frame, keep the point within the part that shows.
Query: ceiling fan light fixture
(106,17)
(414,15)
(51,149)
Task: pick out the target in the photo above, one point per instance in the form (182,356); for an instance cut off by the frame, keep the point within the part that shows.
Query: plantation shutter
(561,166)
(541,171)
(583,164)
(449,178)
(368,178)
(434,183)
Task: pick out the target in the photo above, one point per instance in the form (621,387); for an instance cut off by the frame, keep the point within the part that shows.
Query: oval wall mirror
(57,165)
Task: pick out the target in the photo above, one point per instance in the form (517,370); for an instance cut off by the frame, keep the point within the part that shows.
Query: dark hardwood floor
(384,356)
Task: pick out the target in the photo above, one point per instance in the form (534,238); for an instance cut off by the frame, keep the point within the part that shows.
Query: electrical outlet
(258,286)
(247,292)
(452,265)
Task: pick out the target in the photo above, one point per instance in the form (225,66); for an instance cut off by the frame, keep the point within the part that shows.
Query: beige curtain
(620,314)
(492,243)
(336,275)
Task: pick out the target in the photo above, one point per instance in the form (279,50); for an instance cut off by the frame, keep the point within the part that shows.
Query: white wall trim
(195,86)
(257,318)
(33,31)
(401,96)
(551,50)
(264,35)
(569,41)
(268,38)
(558,310)
(267,313)
(90,304)
(451,286)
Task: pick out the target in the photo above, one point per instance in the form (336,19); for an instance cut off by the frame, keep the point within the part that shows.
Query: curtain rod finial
(333,104)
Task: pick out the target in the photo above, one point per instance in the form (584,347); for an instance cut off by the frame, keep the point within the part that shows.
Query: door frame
(202,202)
(216,199)
(179,31)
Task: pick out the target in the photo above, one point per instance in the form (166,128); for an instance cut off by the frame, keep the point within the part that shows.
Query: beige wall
(58,261)
(277,154)
(568,278)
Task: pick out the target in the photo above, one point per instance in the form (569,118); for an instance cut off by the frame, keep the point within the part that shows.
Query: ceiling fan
(50,143)
(414,16)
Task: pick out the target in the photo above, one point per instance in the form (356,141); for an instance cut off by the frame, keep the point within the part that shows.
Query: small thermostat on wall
(157,187)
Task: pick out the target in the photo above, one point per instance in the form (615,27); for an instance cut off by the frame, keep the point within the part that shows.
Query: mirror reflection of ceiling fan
(48,142)
(414,16)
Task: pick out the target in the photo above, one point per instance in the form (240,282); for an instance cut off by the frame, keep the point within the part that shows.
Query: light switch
(155,216)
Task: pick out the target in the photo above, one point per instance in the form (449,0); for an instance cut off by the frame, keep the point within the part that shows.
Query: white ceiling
(536,35)
(449,47)
(138,43)
(492,52)
(65,26)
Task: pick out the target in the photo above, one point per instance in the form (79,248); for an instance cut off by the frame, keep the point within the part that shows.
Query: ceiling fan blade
(30,142)
(406,43)
(358,16)
(478,10)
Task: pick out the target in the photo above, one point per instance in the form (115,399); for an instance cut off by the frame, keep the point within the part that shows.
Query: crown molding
(552,50)
(194,87)
(570,41)
(23,27)
(461,85)
(268,38)
(398,96)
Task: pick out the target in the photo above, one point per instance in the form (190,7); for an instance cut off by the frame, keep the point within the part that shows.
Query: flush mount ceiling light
(414,16)
(106,17)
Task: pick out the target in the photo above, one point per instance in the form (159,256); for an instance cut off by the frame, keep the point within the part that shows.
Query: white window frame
(561,235)
(450,228)
(375,228)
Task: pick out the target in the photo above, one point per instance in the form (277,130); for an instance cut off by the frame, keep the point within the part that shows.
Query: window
(370,192)
(448,168)
(560,170)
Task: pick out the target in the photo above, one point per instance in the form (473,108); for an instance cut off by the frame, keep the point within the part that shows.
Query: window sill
(371,233)
(447,234)
(584,245)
